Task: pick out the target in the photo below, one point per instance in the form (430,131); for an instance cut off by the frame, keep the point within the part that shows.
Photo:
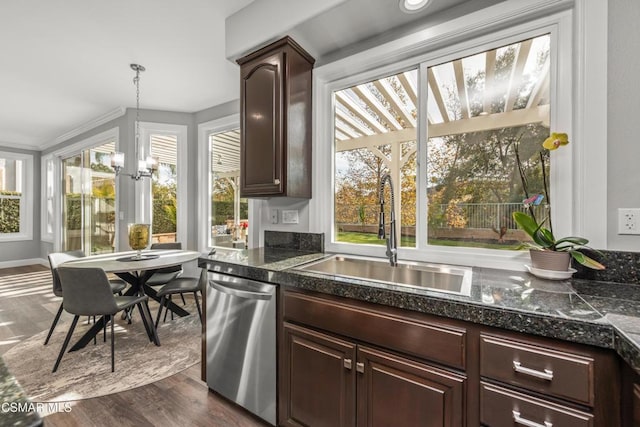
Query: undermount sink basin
(435,277)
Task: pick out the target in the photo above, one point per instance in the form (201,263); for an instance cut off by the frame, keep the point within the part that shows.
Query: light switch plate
(290,216)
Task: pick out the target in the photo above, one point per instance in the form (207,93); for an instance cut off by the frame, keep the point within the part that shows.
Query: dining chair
(57,258)
(165,275)
(87,292)
(180,285)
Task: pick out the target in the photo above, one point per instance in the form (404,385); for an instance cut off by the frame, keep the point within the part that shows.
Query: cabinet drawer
(433,341)
(501,407)
(539,368)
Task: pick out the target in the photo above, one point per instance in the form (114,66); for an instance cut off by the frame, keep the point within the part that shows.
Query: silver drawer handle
(525,422)
(546,375)
(347,363)
(276,181)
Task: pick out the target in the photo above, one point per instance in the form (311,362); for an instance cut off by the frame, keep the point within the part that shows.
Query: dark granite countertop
(598,313)
(14,401)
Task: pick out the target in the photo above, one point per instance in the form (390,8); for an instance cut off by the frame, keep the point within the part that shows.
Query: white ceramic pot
(550,260)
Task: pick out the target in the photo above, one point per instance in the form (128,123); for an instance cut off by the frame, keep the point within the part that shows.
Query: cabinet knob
(347,363)
(528,423)
(360,367)
(276,181)
(546,375)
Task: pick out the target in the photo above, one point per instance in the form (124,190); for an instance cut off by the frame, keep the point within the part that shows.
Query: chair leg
(145,322)
(104,329)
(183,301)
(166,308)
(53,325)
(66,342)
(154,333)
(160,310)
(195,296)
(170,310)
(113,340)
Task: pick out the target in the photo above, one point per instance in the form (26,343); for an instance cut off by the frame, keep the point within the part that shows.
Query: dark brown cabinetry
(275,121)
(539,382)
(630,397)
(351,363)
(332,381)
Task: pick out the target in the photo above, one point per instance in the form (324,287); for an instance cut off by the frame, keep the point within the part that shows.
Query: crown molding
(13,146)
(91,124)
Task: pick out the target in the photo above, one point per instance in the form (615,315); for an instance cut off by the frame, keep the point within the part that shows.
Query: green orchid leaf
(526,223)
(547,236)
(586,261)
(580,241)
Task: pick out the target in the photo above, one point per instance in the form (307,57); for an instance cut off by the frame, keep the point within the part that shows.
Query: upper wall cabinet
(275,120)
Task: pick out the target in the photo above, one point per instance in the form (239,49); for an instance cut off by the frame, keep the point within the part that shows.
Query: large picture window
(15,196)
(482,111)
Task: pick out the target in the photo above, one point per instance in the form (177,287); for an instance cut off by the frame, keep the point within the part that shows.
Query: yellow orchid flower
(555,141)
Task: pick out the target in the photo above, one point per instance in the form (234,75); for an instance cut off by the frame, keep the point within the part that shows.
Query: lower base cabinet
(352,363)
(334,382)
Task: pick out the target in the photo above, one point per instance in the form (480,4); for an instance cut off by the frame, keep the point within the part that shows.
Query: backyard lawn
(410,241)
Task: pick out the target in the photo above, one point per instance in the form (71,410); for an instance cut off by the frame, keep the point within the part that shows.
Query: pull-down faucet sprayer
(392,243)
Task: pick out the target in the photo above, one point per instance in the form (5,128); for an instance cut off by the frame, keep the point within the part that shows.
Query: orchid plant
(543,238)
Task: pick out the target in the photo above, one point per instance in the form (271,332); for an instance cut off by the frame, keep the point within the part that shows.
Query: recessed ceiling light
(412,6)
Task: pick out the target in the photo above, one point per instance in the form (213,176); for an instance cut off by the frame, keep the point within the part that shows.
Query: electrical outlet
(628,221)
(274,216)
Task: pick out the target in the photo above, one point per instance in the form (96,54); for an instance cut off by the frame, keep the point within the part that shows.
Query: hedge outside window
(15,200)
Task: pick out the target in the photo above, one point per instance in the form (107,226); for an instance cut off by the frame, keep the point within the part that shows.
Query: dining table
(136,272)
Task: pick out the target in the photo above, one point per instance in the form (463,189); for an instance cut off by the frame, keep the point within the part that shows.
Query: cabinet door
(319,380)
(261,140)
(393,391)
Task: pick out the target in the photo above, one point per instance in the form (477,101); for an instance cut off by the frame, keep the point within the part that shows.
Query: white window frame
(98,139)
(26,199)
(510,21)
(143,211)
(205,130)
(47,180)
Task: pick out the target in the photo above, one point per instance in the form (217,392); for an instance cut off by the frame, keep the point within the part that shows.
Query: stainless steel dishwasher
(241,342)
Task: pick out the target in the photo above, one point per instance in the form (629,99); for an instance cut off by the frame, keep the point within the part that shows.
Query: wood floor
(180,400)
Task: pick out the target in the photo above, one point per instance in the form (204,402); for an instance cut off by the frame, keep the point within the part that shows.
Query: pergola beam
(474,124)
(462,88)
(359,112)
(437,95)
(516,75)
(489,73)
(383,113)
(409,87)
(396,103)
(348,119)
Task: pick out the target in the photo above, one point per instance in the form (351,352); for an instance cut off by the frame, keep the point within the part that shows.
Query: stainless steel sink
(436,277)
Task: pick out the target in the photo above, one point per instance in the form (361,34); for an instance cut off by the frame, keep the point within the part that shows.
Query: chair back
(87,291)
(57,258)
(168,245)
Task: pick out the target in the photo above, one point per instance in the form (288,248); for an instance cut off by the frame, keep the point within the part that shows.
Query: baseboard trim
(21,262)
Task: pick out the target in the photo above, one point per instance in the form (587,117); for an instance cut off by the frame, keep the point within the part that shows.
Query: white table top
(110,264)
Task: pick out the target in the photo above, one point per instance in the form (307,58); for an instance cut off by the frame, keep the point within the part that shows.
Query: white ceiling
(66,62)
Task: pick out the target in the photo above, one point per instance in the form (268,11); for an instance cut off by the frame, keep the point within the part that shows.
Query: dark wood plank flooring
(180,400)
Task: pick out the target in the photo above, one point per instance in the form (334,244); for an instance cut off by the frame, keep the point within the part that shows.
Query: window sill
(17,237)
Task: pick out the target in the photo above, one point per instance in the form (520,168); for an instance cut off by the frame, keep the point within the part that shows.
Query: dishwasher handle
(240,293)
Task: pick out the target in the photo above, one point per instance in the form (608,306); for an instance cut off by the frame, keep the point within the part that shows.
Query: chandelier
(148,165)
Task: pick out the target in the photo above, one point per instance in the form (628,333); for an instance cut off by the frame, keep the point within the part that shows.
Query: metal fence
(468,215)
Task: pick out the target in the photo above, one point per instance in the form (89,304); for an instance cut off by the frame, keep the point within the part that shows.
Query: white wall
(623,139)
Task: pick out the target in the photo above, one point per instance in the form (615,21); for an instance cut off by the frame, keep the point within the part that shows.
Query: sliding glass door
(88,201)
